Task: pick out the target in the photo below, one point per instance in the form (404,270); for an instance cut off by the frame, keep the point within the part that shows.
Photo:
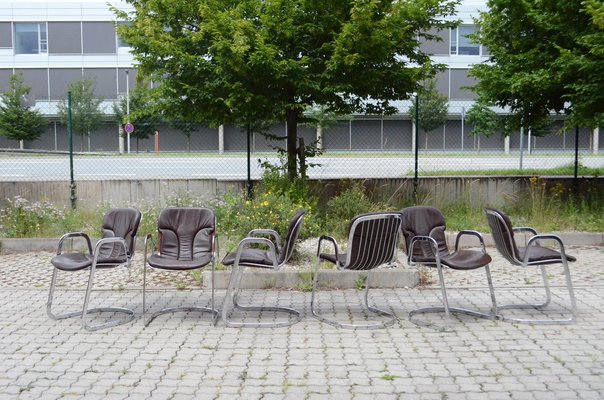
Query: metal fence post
(72,184)
(416,179)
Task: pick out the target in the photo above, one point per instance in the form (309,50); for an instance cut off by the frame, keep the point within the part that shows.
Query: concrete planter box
(328,279)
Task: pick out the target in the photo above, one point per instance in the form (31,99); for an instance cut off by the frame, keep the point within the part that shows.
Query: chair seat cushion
(543,254)
(332,258)
(250,258)
(78,261)
(460,260)
(163,262)
(466,259)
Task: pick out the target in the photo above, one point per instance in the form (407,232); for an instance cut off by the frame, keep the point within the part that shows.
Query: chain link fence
(356,147)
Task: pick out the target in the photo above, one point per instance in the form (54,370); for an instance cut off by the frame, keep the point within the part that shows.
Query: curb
(384,278)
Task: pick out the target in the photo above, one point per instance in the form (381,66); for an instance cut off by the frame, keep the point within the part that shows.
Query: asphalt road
(56,168)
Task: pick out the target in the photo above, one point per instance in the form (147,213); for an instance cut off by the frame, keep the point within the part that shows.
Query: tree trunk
(292,134)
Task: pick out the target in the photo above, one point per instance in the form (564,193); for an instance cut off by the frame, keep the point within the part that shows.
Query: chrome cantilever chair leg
(232,297)
(51,293)
(129,314)
(85,310)
(168,310)
(541,306)
(377,325)
(448,310)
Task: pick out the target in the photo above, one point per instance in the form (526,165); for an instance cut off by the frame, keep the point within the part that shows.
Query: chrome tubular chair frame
(446,308)
(363,254)
(274,258)
(502,232)
(214,312)
(424,232)
(97,261)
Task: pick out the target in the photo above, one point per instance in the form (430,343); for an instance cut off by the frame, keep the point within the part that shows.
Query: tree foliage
(19,121)
(86,115)
(483,120)
(144,113)
(433,108)
(546,56)
(246,61)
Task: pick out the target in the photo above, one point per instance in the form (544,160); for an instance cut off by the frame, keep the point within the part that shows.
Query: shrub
(21,218)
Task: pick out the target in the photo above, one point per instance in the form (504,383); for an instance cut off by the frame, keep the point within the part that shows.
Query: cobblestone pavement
(181,356)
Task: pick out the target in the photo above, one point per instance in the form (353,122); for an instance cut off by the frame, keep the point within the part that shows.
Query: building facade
(53,43)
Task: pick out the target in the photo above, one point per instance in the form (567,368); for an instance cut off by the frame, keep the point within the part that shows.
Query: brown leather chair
(533,254)
(186,241)
(372,241)
(273,256)
(116,247)
(425,241)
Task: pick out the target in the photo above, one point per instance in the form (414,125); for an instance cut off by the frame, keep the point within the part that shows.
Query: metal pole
(576,152)
(576,180)
(521,145)
(128,108)
(249,165)
(416,178)
(72,184)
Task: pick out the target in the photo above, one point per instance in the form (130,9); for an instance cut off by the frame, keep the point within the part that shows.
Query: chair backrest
(424,221)
(503,235)
(186,233)
(124,223)
(293,231)
(372,240)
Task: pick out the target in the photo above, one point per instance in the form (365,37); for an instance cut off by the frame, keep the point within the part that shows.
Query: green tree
(484,121)
(248,61)
(546,56)
(144,112)
(433,108)
(86,115)
(18,121)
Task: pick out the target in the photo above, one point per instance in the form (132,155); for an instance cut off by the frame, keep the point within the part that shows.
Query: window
(120,42)
(460,42)
(30,38)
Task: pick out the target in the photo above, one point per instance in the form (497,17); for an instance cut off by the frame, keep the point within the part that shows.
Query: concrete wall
(479,191)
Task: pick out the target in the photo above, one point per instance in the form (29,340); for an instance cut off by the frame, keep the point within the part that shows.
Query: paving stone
(183,356)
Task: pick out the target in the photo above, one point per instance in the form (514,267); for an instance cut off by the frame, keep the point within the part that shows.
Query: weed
(197,276)
(389,377)
(425,275)
(305,281)
(269,283)
(361,282)
(180,285)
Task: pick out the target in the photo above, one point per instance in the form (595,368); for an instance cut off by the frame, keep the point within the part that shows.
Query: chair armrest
(523,229)
(246,242)
(334,244)
(148,241)
(534,242)
(74,235)
(267,232)
(434,247)
(470,233)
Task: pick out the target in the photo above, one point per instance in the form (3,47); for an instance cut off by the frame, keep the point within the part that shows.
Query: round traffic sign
(129,128)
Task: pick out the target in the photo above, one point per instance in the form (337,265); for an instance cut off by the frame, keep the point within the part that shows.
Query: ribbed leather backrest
(424,221)
(503,234)
(293,231)
(185,233)
(372,240)
(120,222)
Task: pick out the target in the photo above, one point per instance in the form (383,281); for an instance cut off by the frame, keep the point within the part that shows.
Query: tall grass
(546,208)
